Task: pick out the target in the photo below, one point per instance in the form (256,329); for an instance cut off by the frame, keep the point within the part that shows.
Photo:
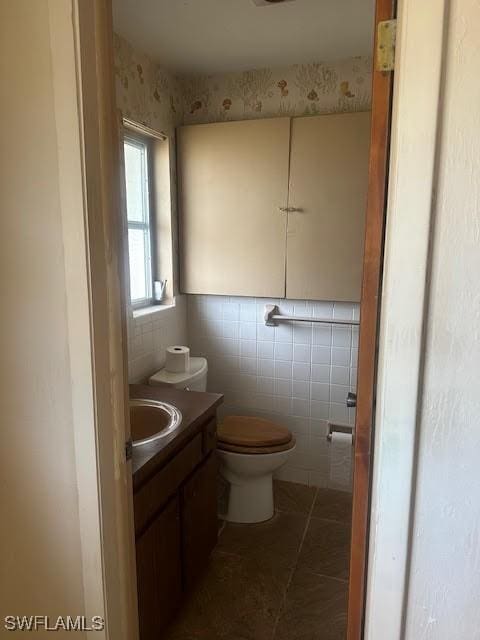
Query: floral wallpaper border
(298,90)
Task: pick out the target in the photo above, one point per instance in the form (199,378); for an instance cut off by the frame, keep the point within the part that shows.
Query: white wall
(445,556)
(40,531)
(424,567)
(298,374)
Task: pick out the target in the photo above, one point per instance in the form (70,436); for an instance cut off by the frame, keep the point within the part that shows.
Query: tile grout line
(309,517)
(332,521)
(293,569)
(323,575)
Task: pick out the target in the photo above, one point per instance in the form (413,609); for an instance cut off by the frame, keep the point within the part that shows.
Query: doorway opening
(265,207)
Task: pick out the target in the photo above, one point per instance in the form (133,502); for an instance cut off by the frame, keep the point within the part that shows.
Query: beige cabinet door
(328,184)
(233,179)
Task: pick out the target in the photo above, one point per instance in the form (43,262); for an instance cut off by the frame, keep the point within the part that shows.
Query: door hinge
(128,449)
(386,34)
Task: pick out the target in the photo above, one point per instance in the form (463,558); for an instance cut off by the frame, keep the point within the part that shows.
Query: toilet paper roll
(177,359)
(340,476)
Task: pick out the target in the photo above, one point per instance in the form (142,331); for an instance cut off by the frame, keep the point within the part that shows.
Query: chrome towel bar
(272,317)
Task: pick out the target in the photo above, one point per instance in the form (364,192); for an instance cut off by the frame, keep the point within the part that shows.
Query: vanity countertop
(196,408)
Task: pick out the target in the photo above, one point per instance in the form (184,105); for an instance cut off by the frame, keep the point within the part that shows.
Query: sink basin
(152,419)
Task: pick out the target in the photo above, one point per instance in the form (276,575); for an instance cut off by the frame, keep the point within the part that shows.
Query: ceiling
(210,36)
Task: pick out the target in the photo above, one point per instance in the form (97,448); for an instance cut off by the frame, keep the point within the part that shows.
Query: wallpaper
(145,91)
(297,90)
(150,94)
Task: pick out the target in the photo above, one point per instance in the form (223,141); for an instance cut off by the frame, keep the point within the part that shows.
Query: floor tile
(315,609)
(326,548)
(273,544)
(244,591)
(333,505)
(236,600)
(293,498)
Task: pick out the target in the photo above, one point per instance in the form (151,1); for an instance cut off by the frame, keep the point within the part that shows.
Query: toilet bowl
(250,450)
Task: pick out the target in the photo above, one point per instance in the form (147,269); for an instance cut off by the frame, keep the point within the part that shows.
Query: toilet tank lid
(198,368)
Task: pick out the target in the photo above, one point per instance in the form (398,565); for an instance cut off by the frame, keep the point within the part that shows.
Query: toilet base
(250,479)
(250,501)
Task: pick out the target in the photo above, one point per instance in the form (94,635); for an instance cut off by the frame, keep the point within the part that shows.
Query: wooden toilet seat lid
(233,448)
(250,431)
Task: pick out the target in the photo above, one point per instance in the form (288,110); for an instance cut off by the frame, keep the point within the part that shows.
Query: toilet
(250,450)
(195,379)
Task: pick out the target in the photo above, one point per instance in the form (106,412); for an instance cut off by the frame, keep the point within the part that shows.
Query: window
(149,217)
(140,247)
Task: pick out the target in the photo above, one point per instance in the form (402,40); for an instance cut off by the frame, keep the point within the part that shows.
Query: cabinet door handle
(290,209)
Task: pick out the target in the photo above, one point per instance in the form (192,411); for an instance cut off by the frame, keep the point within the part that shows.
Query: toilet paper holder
(338,428)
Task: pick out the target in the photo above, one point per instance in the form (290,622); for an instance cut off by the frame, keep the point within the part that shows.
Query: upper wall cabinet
(274,207)
(328,190)
(233,179)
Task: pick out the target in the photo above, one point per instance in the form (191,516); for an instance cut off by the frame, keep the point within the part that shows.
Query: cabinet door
(233,179)
(328,183)
(199,519)
(159,572)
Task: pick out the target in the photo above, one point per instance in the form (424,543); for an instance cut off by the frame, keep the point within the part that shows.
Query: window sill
(153,309)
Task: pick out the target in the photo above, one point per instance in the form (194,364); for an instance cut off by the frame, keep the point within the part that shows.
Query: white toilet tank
(195,379)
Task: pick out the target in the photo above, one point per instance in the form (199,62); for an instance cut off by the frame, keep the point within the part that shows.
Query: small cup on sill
(159,287)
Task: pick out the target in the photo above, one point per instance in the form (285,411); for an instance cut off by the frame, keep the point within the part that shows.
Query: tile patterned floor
(285,579)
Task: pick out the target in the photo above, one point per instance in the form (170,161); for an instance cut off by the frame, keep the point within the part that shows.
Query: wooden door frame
(107,535)
(84,54)
(382,88)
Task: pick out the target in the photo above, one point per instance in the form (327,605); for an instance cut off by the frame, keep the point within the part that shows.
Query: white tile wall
(296,373)
(149,335)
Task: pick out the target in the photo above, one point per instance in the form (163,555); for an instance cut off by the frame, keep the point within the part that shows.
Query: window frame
(135,138)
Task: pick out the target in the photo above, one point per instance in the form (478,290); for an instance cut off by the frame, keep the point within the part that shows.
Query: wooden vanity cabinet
(176,529)
(199,519)
(159,571)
